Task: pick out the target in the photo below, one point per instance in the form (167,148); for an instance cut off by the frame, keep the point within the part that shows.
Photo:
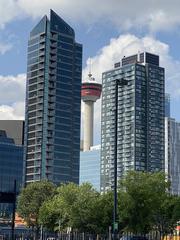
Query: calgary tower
(90,93)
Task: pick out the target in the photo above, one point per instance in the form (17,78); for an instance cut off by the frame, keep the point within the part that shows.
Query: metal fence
(27,234)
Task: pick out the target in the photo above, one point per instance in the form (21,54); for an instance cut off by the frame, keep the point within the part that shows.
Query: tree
(103,213)
(31,199)
(56,212)
(51,215)
(168,214)
(80,207)
(140,194)
(176,210)
(71,207)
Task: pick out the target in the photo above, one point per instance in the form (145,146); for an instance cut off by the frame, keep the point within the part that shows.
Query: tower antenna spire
(90,74)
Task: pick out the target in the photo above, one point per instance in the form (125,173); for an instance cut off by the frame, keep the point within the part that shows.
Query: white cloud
(12,96)
(9,10)
(12,88)
(13,112)
(4,47)
(154,15)
(126,45)
(129,44)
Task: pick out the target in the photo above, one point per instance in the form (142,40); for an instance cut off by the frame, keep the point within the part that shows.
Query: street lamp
(118,82)
(14,211)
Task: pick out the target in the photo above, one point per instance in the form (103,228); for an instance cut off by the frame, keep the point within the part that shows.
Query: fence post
(109,233)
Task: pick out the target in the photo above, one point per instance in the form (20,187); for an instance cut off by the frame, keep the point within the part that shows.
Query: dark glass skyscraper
(140,117)
(53,101)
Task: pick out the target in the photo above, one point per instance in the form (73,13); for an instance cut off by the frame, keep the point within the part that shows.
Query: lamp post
(14,210)
(121,82)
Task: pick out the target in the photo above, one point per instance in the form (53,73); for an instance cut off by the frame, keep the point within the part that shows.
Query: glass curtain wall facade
(90,168)
(172,154)
(167,105)
(53,101)
(11,168)
(140,118)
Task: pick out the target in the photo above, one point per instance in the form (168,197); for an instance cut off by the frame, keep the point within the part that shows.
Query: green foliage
(31,199)
(144,204)
(103,213)
(140,195)
(79,207)
(168,214)
(82,210)
(50,215)
(56,212)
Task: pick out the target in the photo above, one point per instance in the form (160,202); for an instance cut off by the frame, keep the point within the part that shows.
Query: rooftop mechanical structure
(90,93)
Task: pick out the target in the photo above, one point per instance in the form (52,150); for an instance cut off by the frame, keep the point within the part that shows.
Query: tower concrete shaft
(88,124)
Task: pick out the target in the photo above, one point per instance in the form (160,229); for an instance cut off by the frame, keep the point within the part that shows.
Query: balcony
(51,85)
(53,52)
(53,58)
(52,79)
(40,93)
(40,79)
(53,37)
(40,100)
(51,127)
(42,45)
(52,65)
(52,72)
(29,163)
(50,134)
(30,170)
(51,99)
(51,106)
(49,149)
(41,59)
(49,156)
(50,141)
(41,66)
(37,163)
(51,113)
(40,86)
(38,149)
(41,53)
(49,170)
(41,73)
(53,44)
(52,92)
(42,39)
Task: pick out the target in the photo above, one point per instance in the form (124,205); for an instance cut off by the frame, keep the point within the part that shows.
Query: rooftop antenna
(90,74)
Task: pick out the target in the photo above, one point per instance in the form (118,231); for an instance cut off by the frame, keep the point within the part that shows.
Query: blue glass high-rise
(90,167)
(53,101)
(11,168)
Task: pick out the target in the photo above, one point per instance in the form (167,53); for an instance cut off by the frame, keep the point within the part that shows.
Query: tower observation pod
(90,93)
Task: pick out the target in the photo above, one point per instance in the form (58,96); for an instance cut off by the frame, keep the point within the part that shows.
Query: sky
(108,31)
